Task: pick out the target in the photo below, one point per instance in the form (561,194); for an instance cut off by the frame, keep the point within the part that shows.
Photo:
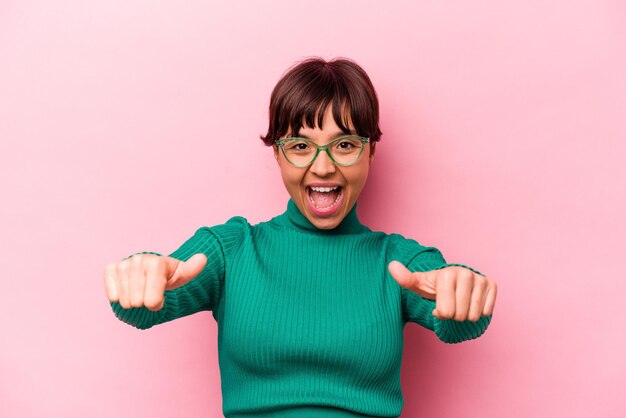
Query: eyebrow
(335,135)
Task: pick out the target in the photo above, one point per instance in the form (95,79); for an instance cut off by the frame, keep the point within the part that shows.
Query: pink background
(503,145)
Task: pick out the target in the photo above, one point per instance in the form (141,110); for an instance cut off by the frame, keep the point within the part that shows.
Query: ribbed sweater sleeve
(419,309)
(204,292)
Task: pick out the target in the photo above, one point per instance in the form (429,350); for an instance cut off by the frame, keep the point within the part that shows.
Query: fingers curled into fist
(460,293)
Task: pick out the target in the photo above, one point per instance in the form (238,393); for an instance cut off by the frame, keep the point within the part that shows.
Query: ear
(372,151)
(275,147)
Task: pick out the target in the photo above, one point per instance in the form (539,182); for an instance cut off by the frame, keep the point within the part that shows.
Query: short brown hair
(307,88)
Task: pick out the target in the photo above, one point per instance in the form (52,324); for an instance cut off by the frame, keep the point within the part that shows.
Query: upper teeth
(323,189)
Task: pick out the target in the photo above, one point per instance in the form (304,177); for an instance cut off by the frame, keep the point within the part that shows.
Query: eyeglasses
(343,151)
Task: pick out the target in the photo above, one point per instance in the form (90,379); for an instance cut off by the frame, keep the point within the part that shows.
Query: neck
(293,218)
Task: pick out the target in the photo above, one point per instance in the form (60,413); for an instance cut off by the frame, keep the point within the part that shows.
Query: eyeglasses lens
(301,152)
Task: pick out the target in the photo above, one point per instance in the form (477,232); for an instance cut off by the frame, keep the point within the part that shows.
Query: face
(324,171)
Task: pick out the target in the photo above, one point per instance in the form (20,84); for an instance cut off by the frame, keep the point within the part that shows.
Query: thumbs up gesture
(142,279)
(460,293)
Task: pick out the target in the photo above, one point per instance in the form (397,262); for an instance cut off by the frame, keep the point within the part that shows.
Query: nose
(323,165)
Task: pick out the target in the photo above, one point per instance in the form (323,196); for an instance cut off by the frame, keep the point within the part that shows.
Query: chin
(325,224)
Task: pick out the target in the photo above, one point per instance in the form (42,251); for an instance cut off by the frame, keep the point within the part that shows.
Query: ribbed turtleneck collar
(293,218)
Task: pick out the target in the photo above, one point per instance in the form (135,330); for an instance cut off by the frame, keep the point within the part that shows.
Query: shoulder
(235,226)
(408,250)
(229,234)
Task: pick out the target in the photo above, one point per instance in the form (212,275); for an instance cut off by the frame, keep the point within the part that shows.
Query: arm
(200,294)
(419,309)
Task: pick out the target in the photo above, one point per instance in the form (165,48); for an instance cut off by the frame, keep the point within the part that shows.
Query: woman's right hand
(142,279)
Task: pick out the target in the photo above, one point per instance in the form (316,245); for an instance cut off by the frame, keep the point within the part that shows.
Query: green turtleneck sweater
(310,321)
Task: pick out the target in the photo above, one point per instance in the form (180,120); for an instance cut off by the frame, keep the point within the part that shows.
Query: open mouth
(324,198)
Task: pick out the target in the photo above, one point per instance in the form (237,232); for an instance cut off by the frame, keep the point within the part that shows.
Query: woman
(311,304)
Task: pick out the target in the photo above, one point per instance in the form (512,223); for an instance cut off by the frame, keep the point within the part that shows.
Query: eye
(347,145)
(297,146)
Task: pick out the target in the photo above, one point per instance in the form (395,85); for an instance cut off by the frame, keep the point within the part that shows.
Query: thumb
(182,272)
(401,274)
(415,281)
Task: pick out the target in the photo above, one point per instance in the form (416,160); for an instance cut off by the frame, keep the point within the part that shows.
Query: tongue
(324,199)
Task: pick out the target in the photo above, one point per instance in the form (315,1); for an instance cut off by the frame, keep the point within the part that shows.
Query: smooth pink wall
(503,145)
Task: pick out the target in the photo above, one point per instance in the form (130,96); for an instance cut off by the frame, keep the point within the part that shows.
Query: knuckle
(466,275)
(451,277)
(110,295)
(123,266)
(153,303)
(473,317)
(448,274)
(445,313)
(136,299)
(153,261)
(481,283)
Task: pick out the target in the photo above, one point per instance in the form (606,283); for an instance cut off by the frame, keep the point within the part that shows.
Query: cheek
(358,176)
(291,177)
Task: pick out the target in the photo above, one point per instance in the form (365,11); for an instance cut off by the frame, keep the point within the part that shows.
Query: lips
(329,202)
(339,190)
(319,184)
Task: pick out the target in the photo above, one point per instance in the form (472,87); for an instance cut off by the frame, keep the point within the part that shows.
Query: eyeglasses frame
(281,143)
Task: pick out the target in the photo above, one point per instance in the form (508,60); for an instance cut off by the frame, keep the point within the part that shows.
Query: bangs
(307,109)
(302,96)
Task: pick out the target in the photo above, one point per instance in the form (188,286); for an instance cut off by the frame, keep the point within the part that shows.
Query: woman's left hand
(460,293)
